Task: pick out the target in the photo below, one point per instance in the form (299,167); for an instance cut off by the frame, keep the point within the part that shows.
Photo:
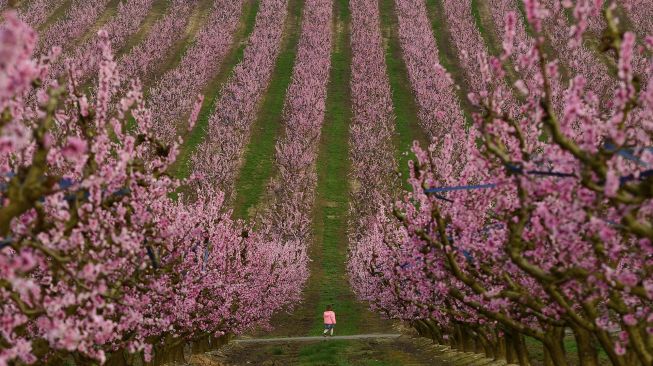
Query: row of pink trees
(97,261)
(508,233)
(127,21)
(434,90)
(171,28)
(373,169)
(287,215)
(173,95)
(79,18)
(218,157)
(38,11)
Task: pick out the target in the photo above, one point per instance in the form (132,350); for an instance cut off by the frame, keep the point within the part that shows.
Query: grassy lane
(492,34)
(327,278)
(182,166)
(156,12)
(328,283)
(55,16)
(407,125)
(107,15)
(448,54)
(174,56)
(258,162)
(485,26)
(331,212)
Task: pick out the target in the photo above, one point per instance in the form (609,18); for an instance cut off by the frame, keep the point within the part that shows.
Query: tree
(536,219)
(97,256)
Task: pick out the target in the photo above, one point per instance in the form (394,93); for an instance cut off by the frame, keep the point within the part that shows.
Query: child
(329,320)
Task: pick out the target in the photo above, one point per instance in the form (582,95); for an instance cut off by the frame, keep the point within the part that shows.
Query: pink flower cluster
(218,158)
(172,96)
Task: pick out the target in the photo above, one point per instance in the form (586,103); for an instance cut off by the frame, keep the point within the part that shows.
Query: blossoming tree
(536,219)
(97,259)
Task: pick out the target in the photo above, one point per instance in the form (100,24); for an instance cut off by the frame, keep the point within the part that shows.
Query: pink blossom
(74,149)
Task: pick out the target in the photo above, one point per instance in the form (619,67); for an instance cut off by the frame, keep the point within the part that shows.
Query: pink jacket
(329,317)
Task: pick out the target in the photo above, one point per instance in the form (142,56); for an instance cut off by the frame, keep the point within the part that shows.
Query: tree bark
(467,339)
(171,351)
(522,352)
(501,349)
(587,353)
(554,342)
(117,359)
(511,353)
(200,345)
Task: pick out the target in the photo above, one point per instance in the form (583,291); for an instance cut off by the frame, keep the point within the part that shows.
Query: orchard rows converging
(168,176)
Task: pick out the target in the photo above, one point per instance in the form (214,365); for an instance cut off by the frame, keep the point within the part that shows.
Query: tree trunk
(554,343)
(500,349)
(458,338)
(608,346)
(434,332)
(511,353)
(489,347)
(419,327)
(200,345)
(467,340)
(522,351)
(116,358)
(217,342)
(548,361)
(171,351)
(478,346)
(587,353)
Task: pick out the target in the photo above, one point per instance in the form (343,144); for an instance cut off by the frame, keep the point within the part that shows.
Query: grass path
(182,166)
(55,16)
(173,57)
(402,351)
(258,159)
(330,215)
(107,15)
(492,34)
(159,8)
(407,125)
(328,283)
(447,53)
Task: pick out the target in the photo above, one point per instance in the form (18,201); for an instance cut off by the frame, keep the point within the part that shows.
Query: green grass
(331,211)
(258,162)
(156,12)
(405,107)
(485,26)
(327,353)
(182,166)
(55,16)
(448,55)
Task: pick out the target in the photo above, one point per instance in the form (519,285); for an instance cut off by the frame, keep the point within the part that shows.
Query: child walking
(329,321)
